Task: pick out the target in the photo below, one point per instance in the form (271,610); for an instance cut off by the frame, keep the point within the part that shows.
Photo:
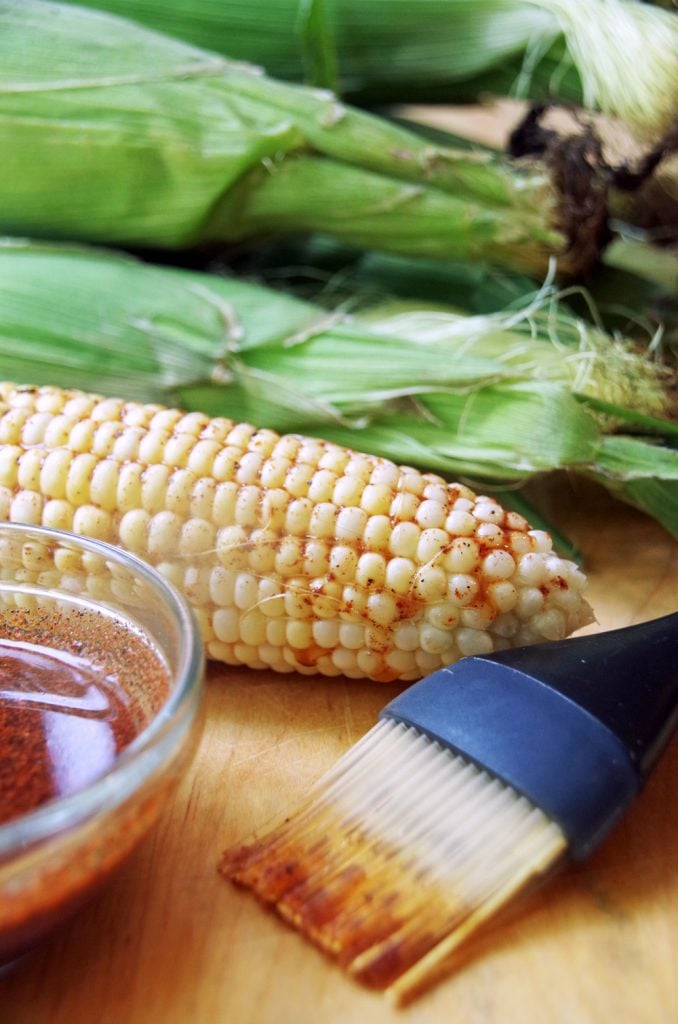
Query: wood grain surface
(170,942)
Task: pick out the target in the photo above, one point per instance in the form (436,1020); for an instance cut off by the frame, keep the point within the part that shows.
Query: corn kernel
(197,537)
(404,506)
(93,522)
(354,603)
(400,574)
(154,481)
(104,438)
(249,468)
(231,541)
(487,511)
(384,472)
(126,446)
(351,635)
(202,497)
(430,583)
(430,514)
(463,556)
(178,494)
(530,602)
(297,516)
(404,540)
(473,641)
(478,616)
(299,634)
(222,585)
(133,530)
(498,565)
(274,471)
(461,589)
(225,498)
(369,663)
(541,541)
(322,485)
(34,428)
(326,632)
(431,543)
(276,631)
(298,601)
(247,505)
(444,615)
(551,624)
(10,456)
(316,558)
(381,608)
(412,482)
(195,586)
(460,523)
(226,624)
(26,508)
(104,484)
(202,456)
(402,662)
(30,469)
(225,463)
(323,520)
(371,570)
(376,499)
(348,491)
(343,563)
(434,640)
(297,480)
(57,514)
(128,487)
(531,570)
(503,595)
(377,534)
(351,523)
(253,627)
(406,636)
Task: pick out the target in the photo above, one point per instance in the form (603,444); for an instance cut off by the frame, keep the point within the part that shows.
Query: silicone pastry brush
(476,781)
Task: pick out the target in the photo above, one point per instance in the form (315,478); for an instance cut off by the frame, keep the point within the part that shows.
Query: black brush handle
(575,725)
(626,678)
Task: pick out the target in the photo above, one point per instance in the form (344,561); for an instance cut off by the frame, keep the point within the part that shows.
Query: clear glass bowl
(54,857)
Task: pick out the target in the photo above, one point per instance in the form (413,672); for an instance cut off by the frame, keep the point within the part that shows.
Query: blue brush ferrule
(574,726)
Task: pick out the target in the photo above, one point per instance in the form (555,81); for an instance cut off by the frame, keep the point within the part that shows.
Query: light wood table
(171,942)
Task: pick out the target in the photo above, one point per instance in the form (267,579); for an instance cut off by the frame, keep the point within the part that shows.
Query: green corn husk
(496,399)
(400,50)
(114,134)
(634,292)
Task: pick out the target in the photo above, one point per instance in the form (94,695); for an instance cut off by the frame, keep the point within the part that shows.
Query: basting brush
(476,782)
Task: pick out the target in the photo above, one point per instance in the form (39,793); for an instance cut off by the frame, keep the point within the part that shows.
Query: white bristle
(461,826)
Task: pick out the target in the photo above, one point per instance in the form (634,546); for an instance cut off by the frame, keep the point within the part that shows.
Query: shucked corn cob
(296,554)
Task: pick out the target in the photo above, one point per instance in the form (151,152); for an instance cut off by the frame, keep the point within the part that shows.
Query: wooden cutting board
(171,942)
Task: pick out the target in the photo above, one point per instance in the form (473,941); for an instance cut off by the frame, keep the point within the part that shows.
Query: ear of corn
(494,398)
(296,554)
(396,49)
(112,133)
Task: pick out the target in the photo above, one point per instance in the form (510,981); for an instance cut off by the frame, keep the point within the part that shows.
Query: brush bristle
(398,854)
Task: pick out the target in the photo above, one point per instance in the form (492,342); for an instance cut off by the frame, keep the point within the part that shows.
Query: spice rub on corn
(296,554)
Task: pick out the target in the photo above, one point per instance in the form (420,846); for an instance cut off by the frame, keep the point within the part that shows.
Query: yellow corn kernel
(297,555)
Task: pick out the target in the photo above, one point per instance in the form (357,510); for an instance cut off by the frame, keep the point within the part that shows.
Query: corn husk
(114,134)
(401,50)
(496,398)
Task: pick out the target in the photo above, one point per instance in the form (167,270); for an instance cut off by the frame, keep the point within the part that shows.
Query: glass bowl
(103,607)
